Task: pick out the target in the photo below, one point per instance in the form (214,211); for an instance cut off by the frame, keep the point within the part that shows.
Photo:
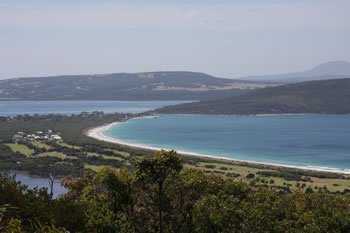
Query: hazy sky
(226,38)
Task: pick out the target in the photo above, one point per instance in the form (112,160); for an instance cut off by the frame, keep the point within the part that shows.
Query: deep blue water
(322,141)
(12,108)
(41,183)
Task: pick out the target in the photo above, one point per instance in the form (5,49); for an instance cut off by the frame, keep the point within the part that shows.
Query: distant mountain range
(323,97)
(329,70)
(124,86)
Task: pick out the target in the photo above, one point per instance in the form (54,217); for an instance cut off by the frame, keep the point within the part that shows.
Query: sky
(224,38)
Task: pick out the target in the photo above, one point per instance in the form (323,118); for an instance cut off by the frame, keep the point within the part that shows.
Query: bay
(12,108)
(311,141)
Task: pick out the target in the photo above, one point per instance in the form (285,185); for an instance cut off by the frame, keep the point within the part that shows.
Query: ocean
(309,141)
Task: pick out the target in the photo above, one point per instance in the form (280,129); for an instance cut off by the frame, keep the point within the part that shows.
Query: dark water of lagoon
(33,182)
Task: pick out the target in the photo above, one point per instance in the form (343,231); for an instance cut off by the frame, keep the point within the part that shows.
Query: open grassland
(122,153)
(338,181)
(315,183)
(56,155)
(233,168)
(61,143)
(41,145)
(103,156)
(21,149)
(92,154)
(93,167)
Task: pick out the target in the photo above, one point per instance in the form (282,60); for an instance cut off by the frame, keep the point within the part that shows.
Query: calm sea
(12,108)
(314,141)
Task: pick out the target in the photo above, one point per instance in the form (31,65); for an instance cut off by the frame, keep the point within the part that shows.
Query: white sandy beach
(97,133)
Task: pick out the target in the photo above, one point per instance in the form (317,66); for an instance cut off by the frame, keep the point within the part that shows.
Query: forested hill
(124,86)
(327,96)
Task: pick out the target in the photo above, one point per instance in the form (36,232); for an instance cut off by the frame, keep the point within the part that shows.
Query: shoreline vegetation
(118,188)
(78,153)
(159,194)
(321,96)
(97,133)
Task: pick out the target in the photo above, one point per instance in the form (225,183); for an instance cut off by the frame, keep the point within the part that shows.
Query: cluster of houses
(50,135)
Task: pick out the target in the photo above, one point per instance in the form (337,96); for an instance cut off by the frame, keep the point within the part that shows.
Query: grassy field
(93,167)
(92,154)
(122,153)
(238,169)
(68,145)
(338,181)
(55,154)
(315,183)
(21,149)
(104,156)
(41,145)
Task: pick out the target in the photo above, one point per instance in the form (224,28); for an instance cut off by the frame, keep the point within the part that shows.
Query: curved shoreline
(97,133)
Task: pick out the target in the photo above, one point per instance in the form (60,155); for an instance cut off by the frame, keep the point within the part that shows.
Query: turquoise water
(317,141)
(12,108)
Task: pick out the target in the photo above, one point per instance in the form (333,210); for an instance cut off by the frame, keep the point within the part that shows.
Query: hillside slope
(123,86)
(325,71)
(329,97)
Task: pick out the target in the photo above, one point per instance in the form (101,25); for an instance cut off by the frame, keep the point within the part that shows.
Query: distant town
(50,135)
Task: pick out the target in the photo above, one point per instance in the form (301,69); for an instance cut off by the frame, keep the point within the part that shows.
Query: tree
(51,180)
(184,191)
(156,169)
(118,185)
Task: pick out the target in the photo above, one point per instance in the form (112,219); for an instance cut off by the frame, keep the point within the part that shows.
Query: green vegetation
(67,145)
(140,86)
(71,129)
(233,167)
(282,177)
(21,149)
(41,145)
(93,167)
(337,181)
(157,194)
(122,153)
(103,156)
(327,97)
(54,154)
(92,154)
(75,152)
(65,157)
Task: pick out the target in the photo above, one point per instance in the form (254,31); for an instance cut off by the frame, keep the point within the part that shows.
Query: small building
(17,137)
(55,137)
